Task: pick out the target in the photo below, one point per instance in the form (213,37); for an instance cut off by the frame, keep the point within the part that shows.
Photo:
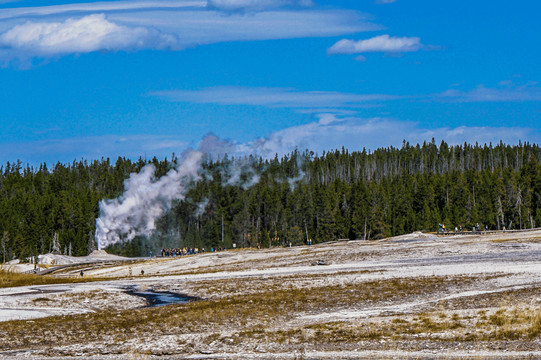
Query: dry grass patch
(13,279)
(505,324)
(512,323)
(529,295)
(264,314)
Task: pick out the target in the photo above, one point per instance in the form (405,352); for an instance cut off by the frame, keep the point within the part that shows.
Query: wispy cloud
(382,43)
(340,103)
(134,25)
(271,97)
(93,7)
(256,5)
(339,124)
(206,27)
(328,132)
(354,133)
(506,93)
(87,34)
(385,1)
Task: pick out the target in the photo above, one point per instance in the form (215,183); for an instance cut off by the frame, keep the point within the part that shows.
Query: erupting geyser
(144,200)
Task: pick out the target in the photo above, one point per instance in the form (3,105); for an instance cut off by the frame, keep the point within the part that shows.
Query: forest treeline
(252,201)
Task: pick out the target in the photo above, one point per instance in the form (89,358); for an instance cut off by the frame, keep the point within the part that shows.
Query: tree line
(281,201)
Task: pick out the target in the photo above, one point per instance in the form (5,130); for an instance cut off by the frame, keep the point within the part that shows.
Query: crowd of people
(179,251)
(170,252)
(458,229)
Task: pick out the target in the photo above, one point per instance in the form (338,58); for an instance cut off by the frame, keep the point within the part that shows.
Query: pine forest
(280,201)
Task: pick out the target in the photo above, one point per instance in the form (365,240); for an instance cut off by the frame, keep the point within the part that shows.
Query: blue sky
(149,78)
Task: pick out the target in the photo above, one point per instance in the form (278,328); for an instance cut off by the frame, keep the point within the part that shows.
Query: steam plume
(144,200)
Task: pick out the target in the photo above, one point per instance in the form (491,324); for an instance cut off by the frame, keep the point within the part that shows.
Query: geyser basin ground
(417,296)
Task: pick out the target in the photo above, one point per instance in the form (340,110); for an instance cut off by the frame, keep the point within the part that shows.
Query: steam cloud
(144,200)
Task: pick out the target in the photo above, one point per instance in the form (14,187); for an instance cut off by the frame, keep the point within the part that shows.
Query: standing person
(82,273)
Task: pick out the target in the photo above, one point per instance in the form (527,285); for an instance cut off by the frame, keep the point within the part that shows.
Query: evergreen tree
(271,202)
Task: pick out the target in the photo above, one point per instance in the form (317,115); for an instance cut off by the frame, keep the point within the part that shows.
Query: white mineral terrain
(412,296)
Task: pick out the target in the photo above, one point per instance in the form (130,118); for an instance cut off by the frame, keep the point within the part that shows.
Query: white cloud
(357,133)
(507,92)
(382,43)
(207,27)
(342,129)
(83,35)
(271,97)
(134,25)
(330,131)
(104,6)
(256,5)
(385,1)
